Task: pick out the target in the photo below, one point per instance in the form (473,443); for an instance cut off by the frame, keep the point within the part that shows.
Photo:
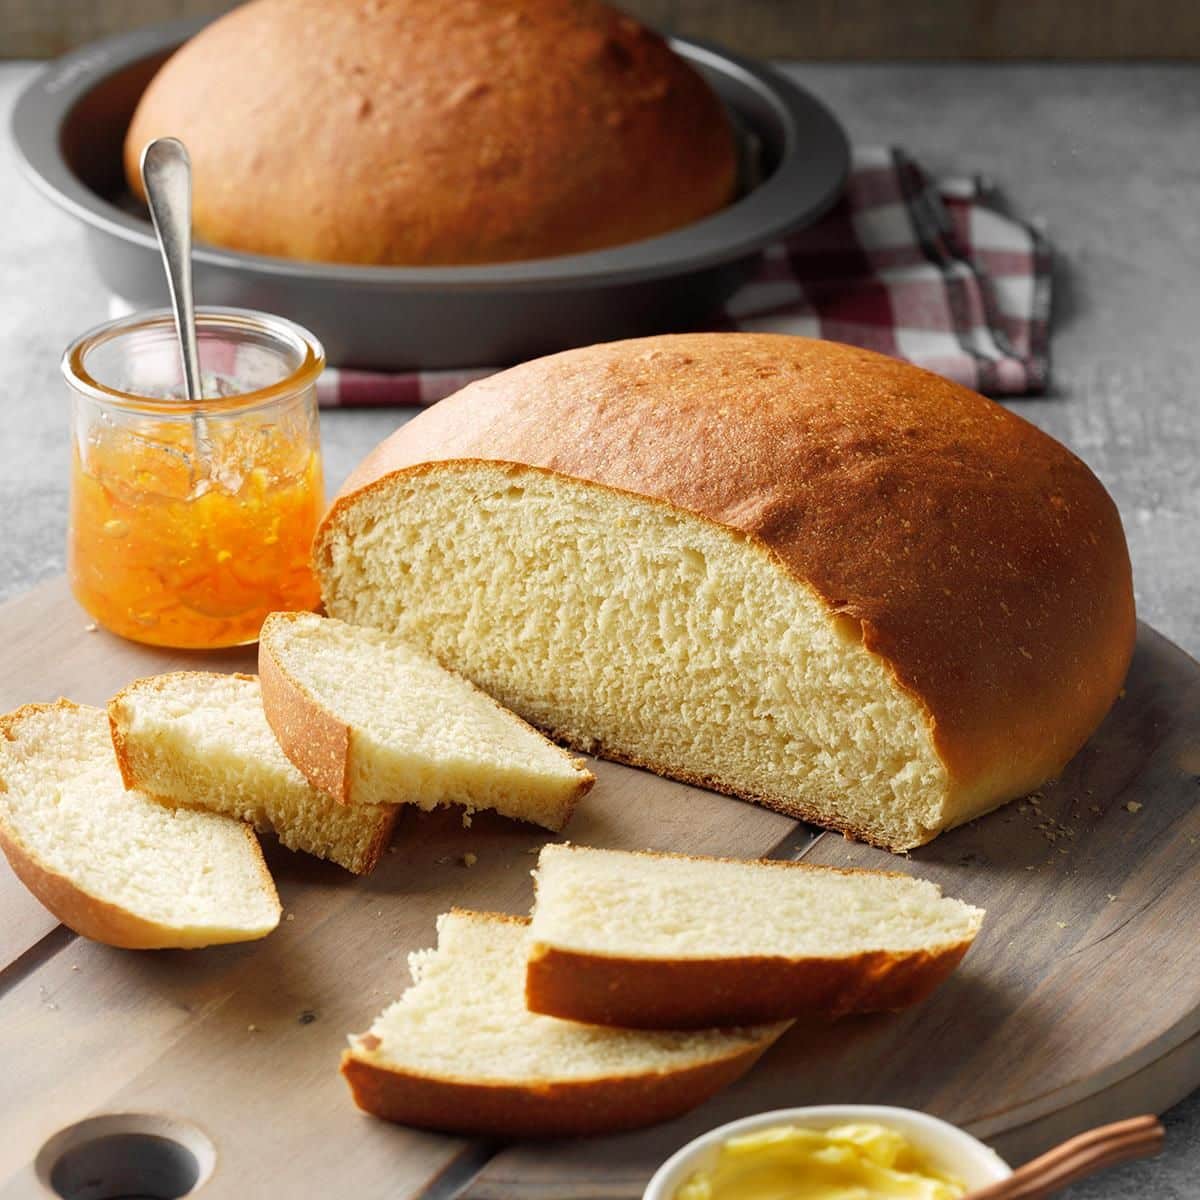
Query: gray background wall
(810,29)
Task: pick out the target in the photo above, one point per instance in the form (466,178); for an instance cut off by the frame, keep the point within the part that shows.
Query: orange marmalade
(189,523)
(160,555)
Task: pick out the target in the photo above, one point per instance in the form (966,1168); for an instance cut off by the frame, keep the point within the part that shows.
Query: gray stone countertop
(1105,155)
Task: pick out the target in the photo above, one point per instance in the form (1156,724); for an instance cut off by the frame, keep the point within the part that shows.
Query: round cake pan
(69,124)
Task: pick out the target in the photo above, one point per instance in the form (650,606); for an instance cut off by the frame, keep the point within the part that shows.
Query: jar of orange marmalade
(190,522)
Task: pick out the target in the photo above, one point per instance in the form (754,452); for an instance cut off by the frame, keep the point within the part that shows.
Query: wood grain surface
(812,29)
(1079,1000)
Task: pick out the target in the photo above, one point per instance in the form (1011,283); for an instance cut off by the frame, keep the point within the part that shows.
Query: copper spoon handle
(1077,1158)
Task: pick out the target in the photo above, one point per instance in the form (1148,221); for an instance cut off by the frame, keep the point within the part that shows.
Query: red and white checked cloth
(932,271)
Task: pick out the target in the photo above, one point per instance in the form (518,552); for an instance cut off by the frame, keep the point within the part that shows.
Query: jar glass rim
(235,320)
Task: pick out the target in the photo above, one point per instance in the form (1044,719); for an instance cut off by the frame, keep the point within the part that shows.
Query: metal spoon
(167,178)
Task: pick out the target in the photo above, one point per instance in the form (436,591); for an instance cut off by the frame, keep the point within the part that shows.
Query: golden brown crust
(422,132)
(979,558)
(645,993)
(375,848)
(574,1108)
(89,915)
(317,743)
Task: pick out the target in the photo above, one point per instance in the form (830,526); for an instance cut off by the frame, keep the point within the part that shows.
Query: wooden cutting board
(1079,1003)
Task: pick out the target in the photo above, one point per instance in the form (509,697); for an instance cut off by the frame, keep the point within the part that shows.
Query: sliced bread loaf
(112,864)
(663,941)
(794,571)
(370,720)
(459,1051)
(201,740)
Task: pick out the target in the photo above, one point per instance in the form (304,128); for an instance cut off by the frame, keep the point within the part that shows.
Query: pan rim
(792,196)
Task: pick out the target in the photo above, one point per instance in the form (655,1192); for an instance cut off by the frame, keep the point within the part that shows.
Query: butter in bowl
(832,1152)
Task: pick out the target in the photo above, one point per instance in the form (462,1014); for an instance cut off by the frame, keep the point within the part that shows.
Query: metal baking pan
(69,124)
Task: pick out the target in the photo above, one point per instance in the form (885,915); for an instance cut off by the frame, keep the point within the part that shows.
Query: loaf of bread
(790,570)
(112,864)
(370,720)
(664,941)
(424,132)
(460,1053)
(201,740)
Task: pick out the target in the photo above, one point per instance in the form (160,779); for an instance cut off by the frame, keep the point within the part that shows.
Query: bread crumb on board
(91,627)
(466,820)
(469,859)
(1132,806)
(290,917)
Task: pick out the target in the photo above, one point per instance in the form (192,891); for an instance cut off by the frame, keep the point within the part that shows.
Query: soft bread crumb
(464,1017)
(670,642)
(201,739)
(421,735)
(610,902)
(179,879)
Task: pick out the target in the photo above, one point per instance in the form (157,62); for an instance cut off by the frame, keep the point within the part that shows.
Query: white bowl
(946,1146)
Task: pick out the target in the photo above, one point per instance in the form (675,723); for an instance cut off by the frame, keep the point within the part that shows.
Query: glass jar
(189,523)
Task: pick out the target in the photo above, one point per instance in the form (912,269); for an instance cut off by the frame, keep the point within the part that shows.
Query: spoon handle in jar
(167,177)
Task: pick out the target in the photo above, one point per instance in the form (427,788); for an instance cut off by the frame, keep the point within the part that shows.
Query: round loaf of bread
(427,132)
(791,570)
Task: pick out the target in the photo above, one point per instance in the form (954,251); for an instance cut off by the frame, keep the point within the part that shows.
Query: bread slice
(459,1052)
(370,720)
(201,740)
(663,941)
(112,864)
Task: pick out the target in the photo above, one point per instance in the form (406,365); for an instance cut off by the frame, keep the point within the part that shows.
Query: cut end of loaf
(646,634)
(111,863)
